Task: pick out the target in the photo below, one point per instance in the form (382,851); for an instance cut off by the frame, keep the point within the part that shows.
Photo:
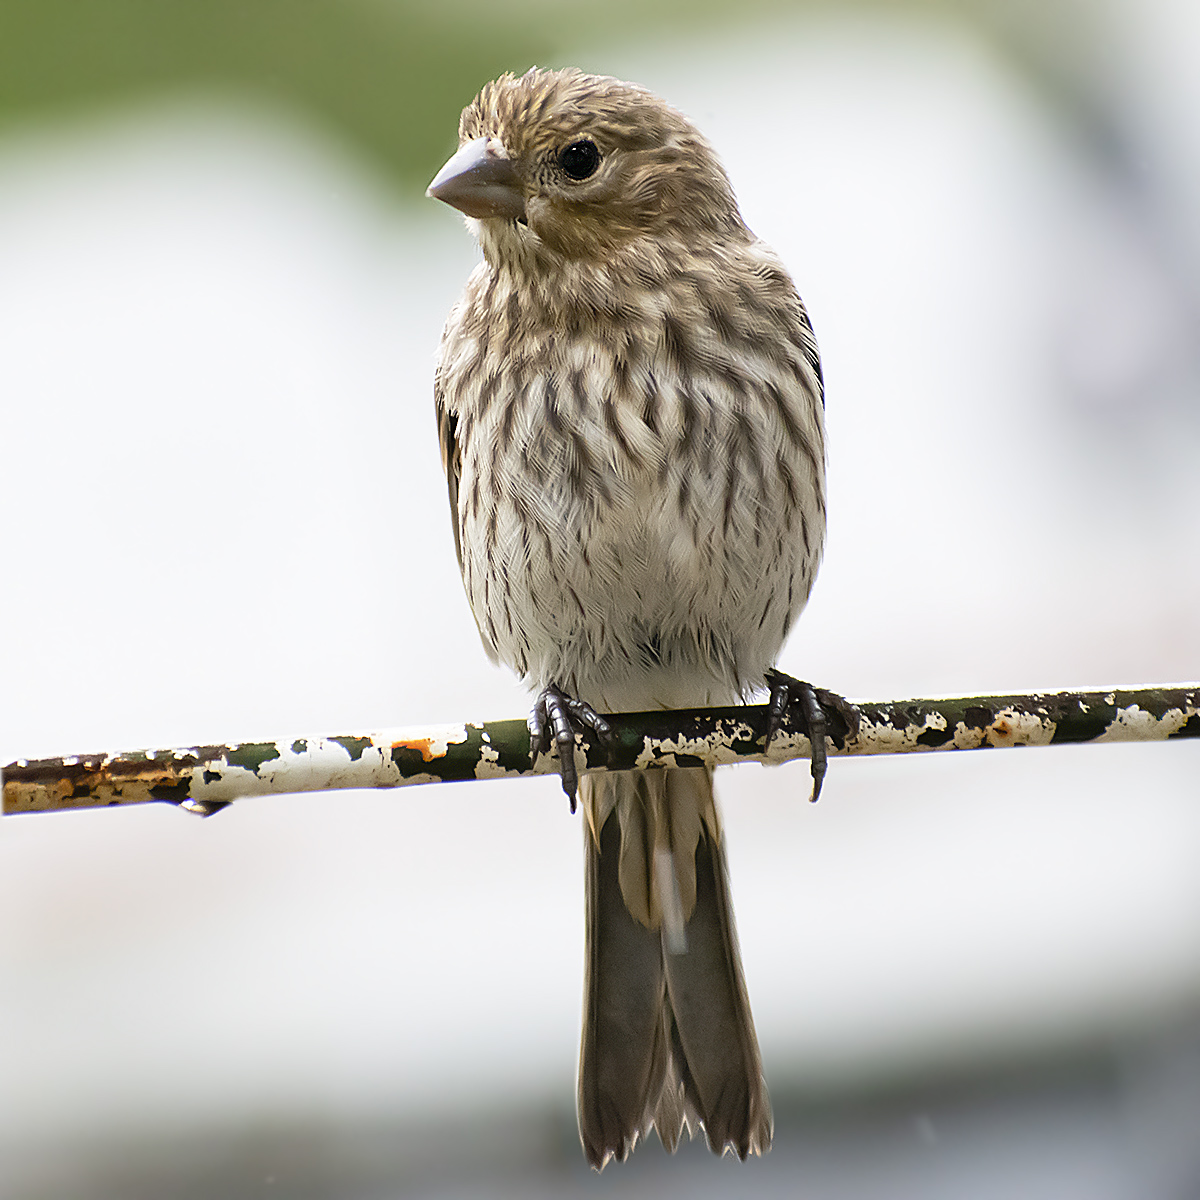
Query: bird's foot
(556,719)
(821,713)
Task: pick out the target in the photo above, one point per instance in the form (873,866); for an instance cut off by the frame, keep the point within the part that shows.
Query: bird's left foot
(556,718)
(821,712)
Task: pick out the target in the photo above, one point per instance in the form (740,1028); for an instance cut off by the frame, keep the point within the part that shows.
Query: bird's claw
(555,720)
(818,710)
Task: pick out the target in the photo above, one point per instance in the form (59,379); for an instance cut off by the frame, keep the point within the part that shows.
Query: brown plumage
(630,410)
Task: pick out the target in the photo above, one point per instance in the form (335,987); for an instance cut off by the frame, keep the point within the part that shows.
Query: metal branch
(203,779)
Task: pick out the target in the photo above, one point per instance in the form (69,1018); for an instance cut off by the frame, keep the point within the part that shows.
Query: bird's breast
(632,492)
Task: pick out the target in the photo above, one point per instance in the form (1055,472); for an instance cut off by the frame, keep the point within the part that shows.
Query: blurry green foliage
(390,76)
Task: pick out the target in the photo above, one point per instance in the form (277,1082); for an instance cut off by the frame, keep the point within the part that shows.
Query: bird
(630,411)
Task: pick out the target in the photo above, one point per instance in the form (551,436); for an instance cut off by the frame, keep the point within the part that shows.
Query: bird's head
(585,165)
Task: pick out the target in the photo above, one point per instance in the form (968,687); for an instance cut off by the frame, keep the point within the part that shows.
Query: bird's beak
(481,181)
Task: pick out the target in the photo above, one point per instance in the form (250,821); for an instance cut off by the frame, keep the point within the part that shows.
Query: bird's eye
(580,159)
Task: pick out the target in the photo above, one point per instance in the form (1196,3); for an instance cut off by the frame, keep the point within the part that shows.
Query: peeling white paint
(326,763)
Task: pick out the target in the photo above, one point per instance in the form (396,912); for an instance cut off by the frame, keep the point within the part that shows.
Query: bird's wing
(809,344)
(447,423)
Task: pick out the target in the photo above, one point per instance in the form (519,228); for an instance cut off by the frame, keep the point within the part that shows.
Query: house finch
(630,409)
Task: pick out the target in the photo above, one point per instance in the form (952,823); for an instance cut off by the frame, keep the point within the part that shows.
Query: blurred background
(223,518)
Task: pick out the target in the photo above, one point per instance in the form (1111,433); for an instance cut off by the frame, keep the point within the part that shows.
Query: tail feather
(668,1039)
(624,1052)
(715,1040)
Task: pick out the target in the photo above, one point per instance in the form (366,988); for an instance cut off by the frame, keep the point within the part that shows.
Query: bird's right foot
(555,720)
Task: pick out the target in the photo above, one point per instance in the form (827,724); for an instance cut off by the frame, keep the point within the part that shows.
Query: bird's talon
(565,716)
(818,709)
(831,701)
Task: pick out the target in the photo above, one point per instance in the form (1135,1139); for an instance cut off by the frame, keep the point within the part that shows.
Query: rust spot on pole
(86,782)
(423,746)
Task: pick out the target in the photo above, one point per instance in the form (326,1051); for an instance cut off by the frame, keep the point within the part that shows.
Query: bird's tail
(668,1039)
